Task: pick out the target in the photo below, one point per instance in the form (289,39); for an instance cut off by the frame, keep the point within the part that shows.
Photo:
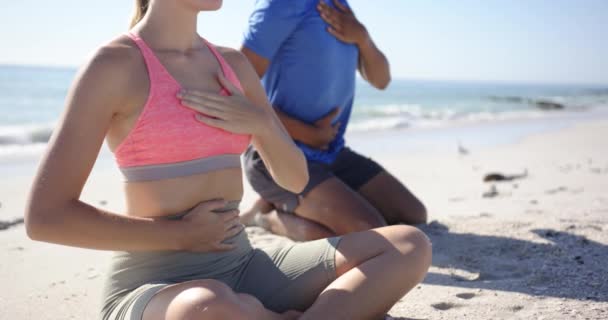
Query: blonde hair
(141,7)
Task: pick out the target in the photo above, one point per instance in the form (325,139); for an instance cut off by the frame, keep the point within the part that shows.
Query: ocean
(32,99)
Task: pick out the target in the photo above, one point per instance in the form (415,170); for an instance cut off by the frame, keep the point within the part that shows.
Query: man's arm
(373,65)
(259,63)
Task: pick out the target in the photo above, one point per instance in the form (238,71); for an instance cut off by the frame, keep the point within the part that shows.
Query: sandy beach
(531,248)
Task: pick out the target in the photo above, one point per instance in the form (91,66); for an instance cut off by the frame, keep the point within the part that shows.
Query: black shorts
(350,167)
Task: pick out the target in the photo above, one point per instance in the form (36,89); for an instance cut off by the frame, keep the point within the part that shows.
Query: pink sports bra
(167,141)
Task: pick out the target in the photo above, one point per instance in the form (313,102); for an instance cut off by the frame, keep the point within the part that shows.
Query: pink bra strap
(154,66)
(228,71)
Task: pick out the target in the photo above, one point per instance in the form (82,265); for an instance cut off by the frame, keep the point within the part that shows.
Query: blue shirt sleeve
(271,23)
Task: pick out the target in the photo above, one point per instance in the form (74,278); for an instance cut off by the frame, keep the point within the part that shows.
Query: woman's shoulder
(114,65)
(245,72)
(120,55)
(113,72)
(235,58)
(241,66)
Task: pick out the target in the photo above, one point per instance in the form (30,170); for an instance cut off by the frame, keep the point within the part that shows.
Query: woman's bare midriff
(171,196)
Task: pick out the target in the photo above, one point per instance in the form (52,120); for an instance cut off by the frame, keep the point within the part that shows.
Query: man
(307,53)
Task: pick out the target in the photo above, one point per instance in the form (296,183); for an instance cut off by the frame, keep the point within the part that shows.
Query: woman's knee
(207,299)
(413,245)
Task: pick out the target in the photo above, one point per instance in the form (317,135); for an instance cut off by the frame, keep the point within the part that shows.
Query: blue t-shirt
(310,72)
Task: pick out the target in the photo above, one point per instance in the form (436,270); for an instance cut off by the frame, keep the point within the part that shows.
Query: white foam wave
(11,135)
(437,118)
(406,111)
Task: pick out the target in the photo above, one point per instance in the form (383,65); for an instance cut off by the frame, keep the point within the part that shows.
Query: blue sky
(562,41)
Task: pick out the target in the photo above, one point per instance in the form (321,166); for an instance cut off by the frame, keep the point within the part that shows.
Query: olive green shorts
(283,278)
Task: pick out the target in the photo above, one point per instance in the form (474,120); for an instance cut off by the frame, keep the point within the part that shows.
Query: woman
(180,252)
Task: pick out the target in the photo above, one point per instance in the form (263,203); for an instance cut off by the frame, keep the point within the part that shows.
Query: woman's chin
(207,5)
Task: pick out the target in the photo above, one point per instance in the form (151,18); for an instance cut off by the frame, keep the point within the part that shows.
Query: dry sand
(538,249)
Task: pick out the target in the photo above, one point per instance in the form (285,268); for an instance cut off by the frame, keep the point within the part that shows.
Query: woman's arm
(54,212)
(284,160)
(252,114)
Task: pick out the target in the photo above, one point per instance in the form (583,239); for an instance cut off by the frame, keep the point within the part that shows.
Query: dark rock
(495,176)
(512,99)
(556,190)
(465,295)
(549,105)
(443,306)
(550,234)
(490,193)
(8,224)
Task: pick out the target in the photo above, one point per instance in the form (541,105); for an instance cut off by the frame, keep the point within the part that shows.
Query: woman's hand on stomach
(203,229)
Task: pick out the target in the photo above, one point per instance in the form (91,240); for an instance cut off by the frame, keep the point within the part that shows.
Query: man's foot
(254,216)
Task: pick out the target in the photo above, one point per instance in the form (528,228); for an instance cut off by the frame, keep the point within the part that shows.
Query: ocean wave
(441,118)
(25,134)
(550,103)
(554,102)
(404,111)
(602,92)
(379,124)
(16,153)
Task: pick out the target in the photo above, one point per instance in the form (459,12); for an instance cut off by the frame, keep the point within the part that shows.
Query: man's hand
(342,23)
(317,135)
(326,132)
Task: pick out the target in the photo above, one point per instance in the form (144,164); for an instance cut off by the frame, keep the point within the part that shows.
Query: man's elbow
(382,84)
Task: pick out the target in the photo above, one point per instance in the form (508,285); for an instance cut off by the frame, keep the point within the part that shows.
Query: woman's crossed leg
(374,269)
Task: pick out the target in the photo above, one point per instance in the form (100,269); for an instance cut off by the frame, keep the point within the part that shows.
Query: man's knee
(413,212)
(360,224)
(311,232)
(419,213)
